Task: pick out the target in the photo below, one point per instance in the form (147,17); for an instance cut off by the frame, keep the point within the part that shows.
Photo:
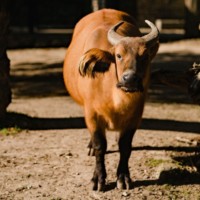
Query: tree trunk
(5,91)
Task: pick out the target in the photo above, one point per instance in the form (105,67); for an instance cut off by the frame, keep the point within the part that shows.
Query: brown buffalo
(106,70)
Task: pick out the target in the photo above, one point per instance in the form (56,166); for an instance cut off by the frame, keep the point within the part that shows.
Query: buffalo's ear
(153,50)
(95,61)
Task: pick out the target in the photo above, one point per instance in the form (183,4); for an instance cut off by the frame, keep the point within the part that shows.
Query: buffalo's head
(131,56)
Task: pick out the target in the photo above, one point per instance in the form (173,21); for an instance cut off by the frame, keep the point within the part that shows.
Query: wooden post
(32,15)
(5,91)
(192,18)
(98,4)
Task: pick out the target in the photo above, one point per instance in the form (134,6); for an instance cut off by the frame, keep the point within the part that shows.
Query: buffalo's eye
(119,56)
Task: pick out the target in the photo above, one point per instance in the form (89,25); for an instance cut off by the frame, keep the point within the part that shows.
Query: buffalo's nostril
(125,77)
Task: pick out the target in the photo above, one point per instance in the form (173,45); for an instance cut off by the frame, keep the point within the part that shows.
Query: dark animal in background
(107,70)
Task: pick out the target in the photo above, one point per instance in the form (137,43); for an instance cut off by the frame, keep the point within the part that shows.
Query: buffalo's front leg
(123,175)
(91,150)
(99,145)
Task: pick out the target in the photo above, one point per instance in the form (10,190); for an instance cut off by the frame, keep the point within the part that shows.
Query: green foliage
(10,131)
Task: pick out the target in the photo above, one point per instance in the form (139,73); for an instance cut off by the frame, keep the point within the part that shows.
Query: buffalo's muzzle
(131,83)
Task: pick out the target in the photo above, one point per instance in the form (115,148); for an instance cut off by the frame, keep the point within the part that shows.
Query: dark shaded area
(183,80)
(36,87)
(33,123)
(177,63)
(42,80)
(5,90)
(164,148)
(178,176)
(168,148)
(29,18)
(170,125)
(55,14)
(38,80)
(191,161)
(27,40)
(173,177)
(192,18)
(19,40)
(176,60)
(187,149)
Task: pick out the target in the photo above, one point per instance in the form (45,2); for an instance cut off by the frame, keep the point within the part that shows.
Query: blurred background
(46,23)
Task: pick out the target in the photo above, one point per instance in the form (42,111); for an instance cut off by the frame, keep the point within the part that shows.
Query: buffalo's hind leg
(123,175)
(99,145)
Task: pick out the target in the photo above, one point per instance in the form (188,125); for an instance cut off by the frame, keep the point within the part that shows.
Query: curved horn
(153,36)
(112,36)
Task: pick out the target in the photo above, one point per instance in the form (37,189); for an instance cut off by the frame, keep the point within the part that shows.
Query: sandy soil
(43,152)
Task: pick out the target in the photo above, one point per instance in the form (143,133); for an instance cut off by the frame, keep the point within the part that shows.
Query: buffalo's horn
(114,37)
(153,36)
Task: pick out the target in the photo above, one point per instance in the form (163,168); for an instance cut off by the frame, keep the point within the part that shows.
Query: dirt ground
(43,152)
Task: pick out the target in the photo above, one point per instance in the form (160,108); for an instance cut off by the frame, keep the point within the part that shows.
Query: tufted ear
(95,61)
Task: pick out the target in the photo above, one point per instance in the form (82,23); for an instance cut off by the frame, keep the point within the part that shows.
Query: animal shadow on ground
(35,123)
(172,176)
(180,175)
(175,176)
(37,80)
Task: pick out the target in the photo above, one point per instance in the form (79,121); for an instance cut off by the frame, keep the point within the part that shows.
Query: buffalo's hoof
(123,182)
(98,186)
(91,152)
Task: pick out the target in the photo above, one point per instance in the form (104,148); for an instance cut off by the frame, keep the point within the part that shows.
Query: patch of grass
(10,131)
(167,187)
(174,193)
(154,162)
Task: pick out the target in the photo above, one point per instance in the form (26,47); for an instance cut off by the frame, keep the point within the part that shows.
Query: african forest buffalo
(106,70)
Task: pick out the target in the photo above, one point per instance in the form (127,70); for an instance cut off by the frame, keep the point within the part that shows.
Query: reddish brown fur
(91,55)
(100,95)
